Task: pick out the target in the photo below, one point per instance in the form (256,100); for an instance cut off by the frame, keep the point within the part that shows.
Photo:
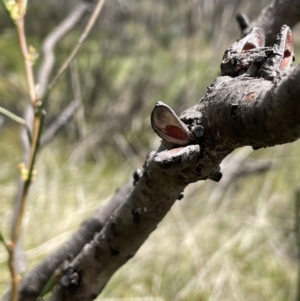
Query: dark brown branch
(251,111)
(235,112)
(278,13)
(36,279)
(60,121)
(130,226)
(242,20)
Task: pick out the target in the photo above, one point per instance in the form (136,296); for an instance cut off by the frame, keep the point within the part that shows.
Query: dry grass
(242,248)
(234,244)
(237,247)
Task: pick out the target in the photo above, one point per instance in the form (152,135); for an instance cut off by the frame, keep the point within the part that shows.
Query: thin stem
(5,244)
(37,126)
(83,36)
(17,119)
(12,116)
(37,129)
(27,60)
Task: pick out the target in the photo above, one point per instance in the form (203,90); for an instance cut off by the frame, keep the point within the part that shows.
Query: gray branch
(278,13)
(60,121)
(235,112)
(235,166)
(35,280)
(43,78)
(51,41)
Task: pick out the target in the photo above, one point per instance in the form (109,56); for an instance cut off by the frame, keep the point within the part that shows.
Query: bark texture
(235,112)
(34,281)
(278,13)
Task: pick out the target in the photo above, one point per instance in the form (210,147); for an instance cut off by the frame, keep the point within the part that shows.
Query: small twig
(2,239)
(52,39)
(80,115)
(37,126)
(60,121)
(12,116)
(17,119)
(242,20)
(83,36)
(26,58)
(38,98)
(10,251)
(127,150)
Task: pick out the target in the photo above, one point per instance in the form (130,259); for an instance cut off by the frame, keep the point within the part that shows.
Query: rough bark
(235,112)
(278,13)
(36,279)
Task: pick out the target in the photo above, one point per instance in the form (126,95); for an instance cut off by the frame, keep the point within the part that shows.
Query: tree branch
(234,112)
(278,13)
(43,78)
(59,122)
(52,39)
(80,41)
(35,280)
(238,165)
(251,111)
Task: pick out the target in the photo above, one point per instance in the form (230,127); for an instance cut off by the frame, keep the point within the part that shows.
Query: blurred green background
(219,243)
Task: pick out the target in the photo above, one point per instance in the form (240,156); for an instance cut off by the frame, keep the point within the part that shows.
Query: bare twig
(43,78)
(274,16)
(242,20)
(60,121)
(36,279)
(81,39)
(235,166)
(27,58)
(16,119)
(52,39)
(12,116)
(80,118)
(127,150)
(37,125)
(34,122)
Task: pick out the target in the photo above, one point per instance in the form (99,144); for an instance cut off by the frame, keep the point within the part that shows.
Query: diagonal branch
(80,41)
(51,41)
(35,280)
(29,115)
(278,13)
(59,122)
(235,112)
